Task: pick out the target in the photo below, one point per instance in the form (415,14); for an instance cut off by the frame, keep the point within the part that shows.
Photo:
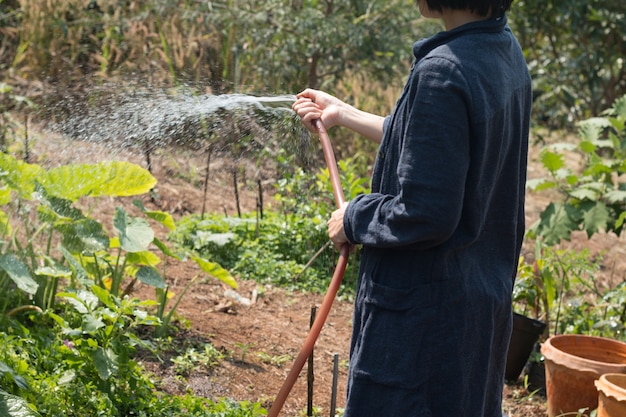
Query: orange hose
(335,282)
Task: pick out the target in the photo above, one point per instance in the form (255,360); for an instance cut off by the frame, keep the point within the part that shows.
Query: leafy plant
(544,287)
(594,195)
(194,359)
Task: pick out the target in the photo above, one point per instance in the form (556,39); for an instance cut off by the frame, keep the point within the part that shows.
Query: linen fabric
(441,232)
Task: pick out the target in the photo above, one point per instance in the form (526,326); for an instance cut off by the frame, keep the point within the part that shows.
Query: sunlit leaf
(164,248)
(216,270)
(135,234)
(162,217)
(5,195)
(552,161)
(19,175)
(14,406)
(105,361)
(143,258)
(115,178)
(18,272)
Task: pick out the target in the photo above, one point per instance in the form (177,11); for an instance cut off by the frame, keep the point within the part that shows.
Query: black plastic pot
(526,333)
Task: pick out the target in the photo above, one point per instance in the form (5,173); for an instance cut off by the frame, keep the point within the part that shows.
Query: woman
(442,227)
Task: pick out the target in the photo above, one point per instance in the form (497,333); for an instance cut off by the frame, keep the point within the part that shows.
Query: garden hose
(333,287)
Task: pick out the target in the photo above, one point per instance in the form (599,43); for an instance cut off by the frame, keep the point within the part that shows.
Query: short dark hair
(482,7)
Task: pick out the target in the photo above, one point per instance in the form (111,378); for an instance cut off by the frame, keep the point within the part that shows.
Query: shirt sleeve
(431,129)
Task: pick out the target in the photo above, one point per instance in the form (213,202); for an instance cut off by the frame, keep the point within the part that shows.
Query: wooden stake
(310,375)
(333,394)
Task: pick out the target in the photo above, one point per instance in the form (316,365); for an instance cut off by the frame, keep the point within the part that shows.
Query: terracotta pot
(573,363)
(526,332)
(611,395)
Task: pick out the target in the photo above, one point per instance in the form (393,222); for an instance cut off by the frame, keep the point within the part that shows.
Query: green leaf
(596,217)
(540,184)
(216,270)
(620,219)
(219,239)
(146,258)
(615,196)
(86,235)
(135,234)
(77,268)
(551,160)
(150,276)
(61,207)
(56,271)
(14,406)
(5,224)
(162,217)
(105,361)
(18,379)
(114,178)
(19,175)
(5,195)
(19,273)
(104,296)
(555,224)
(591,128)
(165,249)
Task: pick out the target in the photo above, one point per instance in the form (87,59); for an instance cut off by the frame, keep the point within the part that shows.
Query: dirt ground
(261,339)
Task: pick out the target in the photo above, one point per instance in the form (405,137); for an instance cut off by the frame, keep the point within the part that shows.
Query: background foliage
(71,336)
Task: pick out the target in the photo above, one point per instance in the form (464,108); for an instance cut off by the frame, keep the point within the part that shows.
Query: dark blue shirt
(441,231)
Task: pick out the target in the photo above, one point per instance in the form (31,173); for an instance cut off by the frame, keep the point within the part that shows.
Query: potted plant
(528,296)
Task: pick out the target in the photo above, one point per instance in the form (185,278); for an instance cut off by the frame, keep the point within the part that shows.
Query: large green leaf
(115,178)
(19,175)
(556,223)
(86,235)
(216,270)
(135,233)
(596,217)
(150,276)
(18,272)
(14,406)
(105,361)
(55,208)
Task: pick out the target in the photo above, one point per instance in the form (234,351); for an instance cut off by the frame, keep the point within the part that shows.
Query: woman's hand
(313,105)
(335,227)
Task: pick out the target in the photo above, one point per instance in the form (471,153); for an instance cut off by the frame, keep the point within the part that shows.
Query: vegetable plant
(593,196)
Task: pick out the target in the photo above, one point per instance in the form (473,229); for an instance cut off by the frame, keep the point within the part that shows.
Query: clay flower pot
(611,395)
(573,363)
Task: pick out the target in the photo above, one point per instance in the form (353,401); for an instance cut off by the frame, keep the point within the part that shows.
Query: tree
(285,45)
(575,51)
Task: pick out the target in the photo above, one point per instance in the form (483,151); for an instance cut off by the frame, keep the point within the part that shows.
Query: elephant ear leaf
(113,179)
(214,269)
(135,233)
(18,272)
(14,406)
(19,176)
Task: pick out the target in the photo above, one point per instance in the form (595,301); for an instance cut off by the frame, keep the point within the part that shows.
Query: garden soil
(259,329)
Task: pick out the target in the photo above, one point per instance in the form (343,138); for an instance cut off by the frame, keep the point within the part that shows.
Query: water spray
(333,287)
